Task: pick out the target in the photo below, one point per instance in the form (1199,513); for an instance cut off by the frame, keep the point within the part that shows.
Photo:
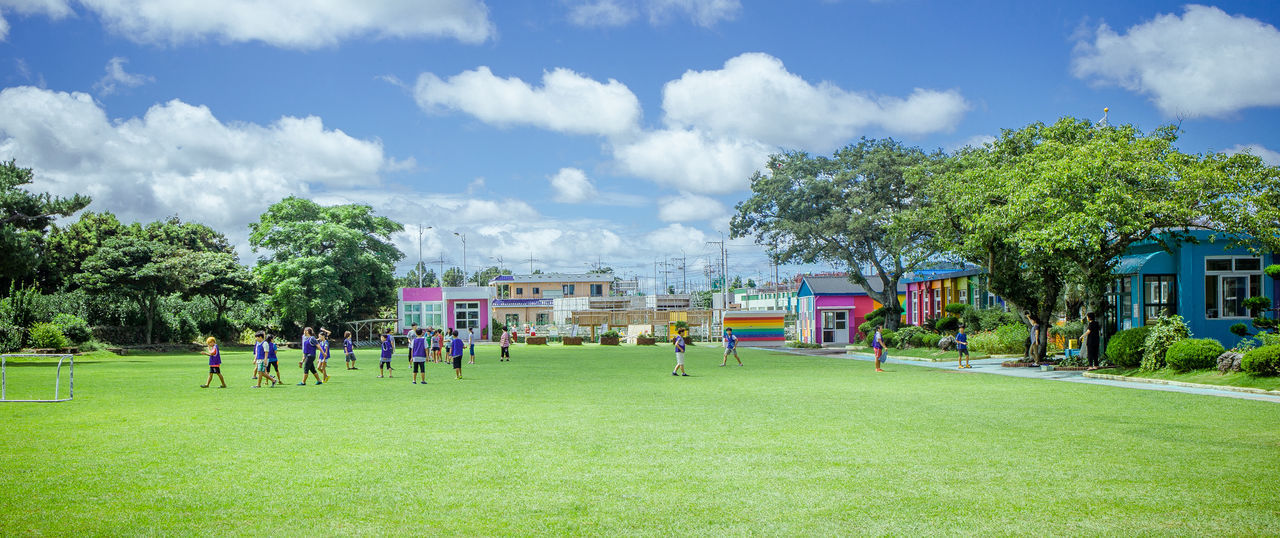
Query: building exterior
(460,308)
(830,308)
(529,299)
(758,327)
(928,295)
(782,297)
(1205,282)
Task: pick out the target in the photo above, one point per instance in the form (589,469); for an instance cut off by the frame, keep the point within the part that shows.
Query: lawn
(599,441)
(1206,377)
(928,354)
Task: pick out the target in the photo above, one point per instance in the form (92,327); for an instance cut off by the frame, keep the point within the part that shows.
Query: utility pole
(419,268)
(724,271)
(531,260)
(441,261)
(464,256)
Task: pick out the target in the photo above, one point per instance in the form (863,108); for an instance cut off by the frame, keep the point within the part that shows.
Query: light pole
(464,256)
(419,269)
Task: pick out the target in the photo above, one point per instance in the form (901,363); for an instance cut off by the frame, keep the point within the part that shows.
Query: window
(543,318)
(412,314)
(937,302)
(567,289)
(1159,297)
(1228,282)
(597,290)
(964,296)
(1124,308)
(537,291)
(832,322)
(914,305)
(512,321)
(424,314)
(466,315)
(519,291)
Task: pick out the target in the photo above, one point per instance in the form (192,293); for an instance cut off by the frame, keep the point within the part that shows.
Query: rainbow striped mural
(757,328)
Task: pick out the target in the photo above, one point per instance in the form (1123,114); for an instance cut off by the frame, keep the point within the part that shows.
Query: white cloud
(572,186)
(299,24)
(689,207)
(975,141)
(692,160)
(566,102)
(1204,63)
(1268,156)
(116,76)
(177,158)
(662,239)
(754,96)
(4,27)
(705,13)
(55,9)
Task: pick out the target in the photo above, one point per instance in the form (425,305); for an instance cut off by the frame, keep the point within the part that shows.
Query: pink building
(831,308)
(460,308)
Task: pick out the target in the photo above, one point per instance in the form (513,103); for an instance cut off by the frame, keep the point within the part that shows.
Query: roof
(1132,264)
(972,271)
(839,285)
(555,277)
(498,303)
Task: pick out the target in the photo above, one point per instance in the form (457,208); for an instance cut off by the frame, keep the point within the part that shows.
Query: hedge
(1125,348)
(1262,361)
(1193,354)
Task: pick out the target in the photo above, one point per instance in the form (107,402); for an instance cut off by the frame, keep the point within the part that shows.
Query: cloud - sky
(572,130)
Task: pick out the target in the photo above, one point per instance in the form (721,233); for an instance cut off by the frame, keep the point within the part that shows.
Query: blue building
(1206,283)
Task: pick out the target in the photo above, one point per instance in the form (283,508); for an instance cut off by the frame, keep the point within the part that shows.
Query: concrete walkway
(992,366)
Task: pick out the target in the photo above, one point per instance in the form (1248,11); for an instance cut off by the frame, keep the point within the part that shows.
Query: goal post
(67,359)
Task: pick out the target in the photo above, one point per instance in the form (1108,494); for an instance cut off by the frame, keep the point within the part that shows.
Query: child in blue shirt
(388,350)
(962,347)
(273,362)
(308,362)
(349,349)
(679,371)
(455,352)
(260,360)
(323,363)
(730,346)
(418,356)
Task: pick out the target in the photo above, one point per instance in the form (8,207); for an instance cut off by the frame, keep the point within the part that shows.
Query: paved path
(992,366)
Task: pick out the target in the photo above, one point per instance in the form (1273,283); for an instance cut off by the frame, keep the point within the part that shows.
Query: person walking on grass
(471,345)
(455,352)
(260,360)
(215,362)
(349,349)
(730,346)
(273,361)
(877,344)
(418,356)
(680,353)
(388,350)
(323,363)
(962,347)
(1093,341)
(308,362)
(505,343)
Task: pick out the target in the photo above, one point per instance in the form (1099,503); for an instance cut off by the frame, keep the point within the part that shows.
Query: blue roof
(521,302)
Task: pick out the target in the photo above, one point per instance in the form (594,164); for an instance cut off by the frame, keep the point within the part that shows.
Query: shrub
(1125,348)
(609,334)
(1263,361)
(47,335)
(1067,331)
(889,337)
(984,342)
(1240,330)
(10,337)
(947,324)
(907,336)
(930,322)
(76,329)
(1273,271)
(1164,332)
(1004,340)
(868,327)
(956,309)
(1257,304)
(924,339)
(1193,354)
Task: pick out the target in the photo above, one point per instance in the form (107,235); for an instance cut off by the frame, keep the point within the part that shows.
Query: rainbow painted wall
(757,328)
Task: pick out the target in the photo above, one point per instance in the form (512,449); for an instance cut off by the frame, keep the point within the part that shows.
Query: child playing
(388,349)
(272,360)
(962,347)
(877,343)
(215,363)
(471,344)
(308,362)
(505,343)
(349,349)
(418,356)
(680,354)
(730,346)
(260,360)
(437,341)
(323,363)
(455,352)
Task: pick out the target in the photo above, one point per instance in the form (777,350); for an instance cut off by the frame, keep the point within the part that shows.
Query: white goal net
(34,378)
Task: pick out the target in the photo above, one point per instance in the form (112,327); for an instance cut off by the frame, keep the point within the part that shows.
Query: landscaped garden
(604,441)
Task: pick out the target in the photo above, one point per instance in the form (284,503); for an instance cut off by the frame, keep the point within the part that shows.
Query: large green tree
(325,263)
(221,278)
(135,269)
(858,208)
(24,218)
(453,277)
(66,248)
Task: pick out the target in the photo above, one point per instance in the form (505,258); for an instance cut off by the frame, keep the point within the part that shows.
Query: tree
(131,268)
(67,248)
(410,279)
(453,277)
(24,217)
(482,277)
(602,270)
(859,208)
(221,278)
(737,283)
(751,283)
(325,263)
(191,236)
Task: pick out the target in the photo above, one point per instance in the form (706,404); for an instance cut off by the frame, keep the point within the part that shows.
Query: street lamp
(464,256)
(419,269)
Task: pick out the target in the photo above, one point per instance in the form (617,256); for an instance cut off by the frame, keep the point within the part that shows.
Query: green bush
(1240,329)
(956,309)
(1262,361)
(947,324)
(868,327)
(924,339)
(76,329)
(10,337)
(1067,331)
(610,334)
(984,342)
(1164,332)
(1193,354)
(47,335)
(907,335)
(1004,340)
(889,337)
(990,319)
(1273,271)
(1125,347)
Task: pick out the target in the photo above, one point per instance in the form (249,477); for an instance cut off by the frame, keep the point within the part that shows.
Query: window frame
(1254,286)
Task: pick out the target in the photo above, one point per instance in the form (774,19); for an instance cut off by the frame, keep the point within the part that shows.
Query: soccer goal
(68,359)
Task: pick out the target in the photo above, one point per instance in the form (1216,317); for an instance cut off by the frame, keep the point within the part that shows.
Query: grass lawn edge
(1158,381)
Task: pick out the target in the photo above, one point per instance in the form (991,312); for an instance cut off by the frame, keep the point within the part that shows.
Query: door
(835,327)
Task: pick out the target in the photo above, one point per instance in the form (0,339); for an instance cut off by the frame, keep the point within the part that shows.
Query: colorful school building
(1205,282)
(830,308)
(757,328)
(928,296)
(460,308)
(769,297)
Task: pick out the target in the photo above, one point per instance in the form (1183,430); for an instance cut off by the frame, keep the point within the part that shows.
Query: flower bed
(608,340)
(646,341)
(571,340)
(536,341)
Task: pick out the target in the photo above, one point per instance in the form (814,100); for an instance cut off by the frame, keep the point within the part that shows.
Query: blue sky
(577,130)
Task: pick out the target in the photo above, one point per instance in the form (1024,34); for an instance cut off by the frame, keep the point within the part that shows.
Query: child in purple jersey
(260,360)
(418,356)
(679,345)
(308,362)
(323,362)
(273,362)
(349,349)
(455,352)
(388,351)
(215,363)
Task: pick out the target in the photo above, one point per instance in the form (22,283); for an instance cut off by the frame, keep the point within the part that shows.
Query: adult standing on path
(1033,339)
(1093,341)
(680,354)
(730,346)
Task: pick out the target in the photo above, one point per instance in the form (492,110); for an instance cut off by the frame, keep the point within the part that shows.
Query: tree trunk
(149,308)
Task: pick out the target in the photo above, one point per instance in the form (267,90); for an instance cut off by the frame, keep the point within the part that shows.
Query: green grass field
(1205,377)
(596,441)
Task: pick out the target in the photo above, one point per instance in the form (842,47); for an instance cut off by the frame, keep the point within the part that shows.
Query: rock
(1229,362)
(947,343)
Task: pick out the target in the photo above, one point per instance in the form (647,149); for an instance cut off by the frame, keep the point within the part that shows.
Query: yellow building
(527,299)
